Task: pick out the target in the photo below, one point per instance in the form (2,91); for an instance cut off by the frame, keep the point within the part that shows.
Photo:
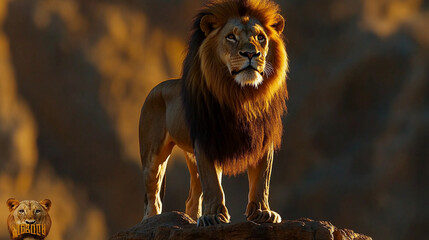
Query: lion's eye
(261,37)
(21,211)
(37,211)
(231,37)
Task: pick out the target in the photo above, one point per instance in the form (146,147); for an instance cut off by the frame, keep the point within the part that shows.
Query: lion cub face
(243,49)
(28,212)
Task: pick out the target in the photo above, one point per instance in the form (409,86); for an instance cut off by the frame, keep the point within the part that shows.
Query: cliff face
(178,226)
(74,77)
(74,74)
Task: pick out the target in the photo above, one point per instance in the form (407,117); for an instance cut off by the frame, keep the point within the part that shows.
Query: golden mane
(235,125)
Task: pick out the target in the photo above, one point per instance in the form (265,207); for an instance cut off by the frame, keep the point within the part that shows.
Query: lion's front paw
(256,214)
(211,220)
(265,216)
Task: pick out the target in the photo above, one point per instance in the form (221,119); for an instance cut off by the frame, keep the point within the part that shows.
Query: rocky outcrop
(177,225)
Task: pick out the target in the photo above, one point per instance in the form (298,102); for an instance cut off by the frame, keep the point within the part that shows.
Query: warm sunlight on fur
(225,112)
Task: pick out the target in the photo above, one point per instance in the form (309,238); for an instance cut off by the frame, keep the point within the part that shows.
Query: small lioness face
(29,213)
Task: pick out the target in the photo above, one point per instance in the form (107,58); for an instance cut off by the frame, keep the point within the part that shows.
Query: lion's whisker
(268,70)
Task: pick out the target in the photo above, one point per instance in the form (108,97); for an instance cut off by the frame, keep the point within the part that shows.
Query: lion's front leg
(258,209)
(214,209)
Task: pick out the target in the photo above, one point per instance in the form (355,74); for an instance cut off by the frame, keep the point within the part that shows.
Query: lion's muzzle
(250,55)
(30,221)
(250,68)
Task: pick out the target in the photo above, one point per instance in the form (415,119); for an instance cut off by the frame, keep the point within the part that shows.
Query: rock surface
(177,225)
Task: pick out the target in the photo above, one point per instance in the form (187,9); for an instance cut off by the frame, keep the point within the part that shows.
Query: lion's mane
(236,126)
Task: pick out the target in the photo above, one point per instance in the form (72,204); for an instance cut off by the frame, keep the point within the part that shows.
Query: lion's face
(243,50)
(243,47)
(29,211)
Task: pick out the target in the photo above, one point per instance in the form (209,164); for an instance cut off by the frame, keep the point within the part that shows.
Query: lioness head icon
(28,219)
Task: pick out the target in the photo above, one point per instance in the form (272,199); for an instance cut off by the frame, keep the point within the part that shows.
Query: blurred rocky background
(74,74)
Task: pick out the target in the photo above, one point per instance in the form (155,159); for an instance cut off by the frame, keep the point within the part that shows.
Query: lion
(224,112)
(28,213)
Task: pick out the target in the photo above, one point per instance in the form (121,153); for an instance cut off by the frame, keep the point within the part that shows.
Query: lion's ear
(279,23)
(12,203)
(207,24)
(46,204)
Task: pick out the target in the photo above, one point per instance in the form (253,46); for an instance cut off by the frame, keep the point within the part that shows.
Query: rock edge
(178,226)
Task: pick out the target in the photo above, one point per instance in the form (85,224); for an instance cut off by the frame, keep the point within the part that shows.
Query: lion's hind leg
(193,203)
(154,179)
(155,149)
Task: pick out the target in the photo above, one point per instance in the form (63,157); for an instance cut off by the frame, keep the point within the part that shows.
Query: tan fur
(33,212)
(219,89)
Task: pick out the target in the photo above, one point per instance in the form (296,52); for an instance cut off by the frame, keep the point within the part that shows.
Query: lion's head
(234,80)
(242,45)
(28,212)
(240,51)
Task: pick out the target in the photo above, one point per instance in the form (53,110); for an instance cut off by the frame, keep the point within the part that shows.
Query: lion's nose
(250,55)
(30,221)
